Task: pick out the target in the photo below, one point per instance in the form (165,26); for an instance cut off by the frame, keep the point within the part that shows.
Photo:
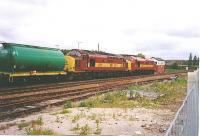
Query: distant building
(158,61)
(160,64)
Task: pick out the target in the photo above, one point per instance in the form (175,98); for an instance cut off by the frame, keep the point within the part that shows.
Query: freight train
(19,61)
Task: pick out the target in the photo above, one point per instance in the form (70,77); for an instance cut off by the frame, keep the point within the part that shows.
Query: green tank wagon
(24,60)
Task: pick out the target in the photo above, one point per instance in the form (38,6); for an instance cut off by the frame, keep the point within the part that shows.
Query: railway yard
(99,68)
(134,105)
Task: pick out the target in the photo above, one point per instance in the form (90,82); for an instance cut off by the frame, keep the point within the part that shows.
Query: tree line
(193,61)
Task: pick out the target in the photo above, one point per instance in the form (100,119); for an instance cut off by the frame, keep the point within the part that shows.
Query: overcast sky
(163,28)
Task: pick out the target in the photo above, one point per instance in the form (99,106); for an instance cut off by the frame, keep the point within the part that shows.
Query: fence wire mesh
(186,119)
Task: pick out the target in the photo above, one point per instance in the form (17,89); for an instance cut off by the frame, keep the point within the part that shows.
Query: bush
(82,104)
(65,111)
(38,121)
(87,103)
(23,125)
(68,104)
(85,130)
(39,131)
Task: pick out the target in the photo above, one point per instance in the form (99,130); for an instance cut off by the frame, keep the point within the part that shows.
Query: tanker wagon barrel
(17,60)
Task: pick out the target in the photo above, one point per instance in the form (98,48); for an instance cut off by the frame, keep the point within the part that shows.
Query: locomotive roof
(135,57)
(127,56)
(97,53)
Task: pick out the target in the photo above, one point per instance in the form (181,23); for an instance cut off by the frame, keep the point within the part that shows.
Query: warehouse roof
(159,59)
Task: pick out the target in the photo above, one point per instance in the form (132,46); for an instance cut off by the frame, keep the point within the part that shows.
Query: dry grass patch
(170,92)
(39,131)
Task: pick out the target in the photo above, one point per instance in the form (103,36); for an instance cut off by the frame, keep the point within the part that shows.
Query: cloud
(8,33)
(186,33)
(30,2)
(161,43)
(156,28)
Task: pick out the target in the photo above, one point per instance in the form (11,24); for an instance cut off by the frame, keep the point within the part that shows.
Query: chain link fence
(186,119)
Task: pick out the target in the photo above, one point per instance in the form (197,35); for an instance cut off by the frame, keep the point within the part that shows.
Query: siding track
(20,101)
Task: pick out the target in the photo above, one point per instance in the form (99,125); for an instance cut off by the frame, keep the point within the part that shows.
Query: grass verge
(173,70)
(171,92)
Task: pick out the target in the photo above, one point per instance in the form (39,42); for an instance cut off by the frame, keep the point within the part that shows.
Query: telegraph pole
(98,47)
(79,44)
(57,46)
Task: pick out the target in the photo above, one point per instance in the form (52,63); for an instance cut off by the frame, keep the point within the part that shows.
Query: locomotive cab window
(92,62)
(74,53)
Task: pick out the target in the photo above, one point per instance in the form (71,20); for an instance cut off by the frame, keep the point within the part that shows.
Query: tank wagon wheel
(4,80)
(25,80)
(10,80)
(38,78)
(70,76)
(60,78)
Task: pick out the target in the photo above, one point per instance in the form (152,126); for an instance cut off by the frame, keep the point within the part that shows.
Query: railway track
(18,89)
(14,103)
(9,90)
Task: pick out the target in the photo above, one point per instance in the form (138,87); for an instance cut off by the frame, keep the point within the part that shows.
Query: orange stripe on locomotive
(136,63)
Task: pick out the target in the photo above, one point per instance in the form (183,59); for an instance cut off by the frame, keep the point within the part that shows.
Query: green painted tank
(19,57)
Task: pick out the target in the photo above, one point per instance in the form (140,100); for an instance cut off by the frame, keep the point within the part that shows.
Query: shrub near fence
(186,119)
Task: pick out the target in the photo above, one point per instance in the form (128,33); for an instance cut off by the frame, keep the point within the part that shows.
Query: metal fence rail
(186,119)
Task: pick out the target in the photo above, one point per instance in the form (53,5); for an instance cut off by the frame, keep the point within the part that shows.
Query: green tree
(195,60)
(174,65)
(190,61)
(141,55)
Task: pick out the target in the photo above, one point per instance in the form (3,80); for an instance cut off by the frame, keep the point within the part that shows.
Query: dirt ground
(113,121)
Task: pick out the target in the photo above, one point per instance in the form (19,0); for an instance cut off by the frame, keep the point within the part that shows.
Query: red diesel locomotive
(99,64)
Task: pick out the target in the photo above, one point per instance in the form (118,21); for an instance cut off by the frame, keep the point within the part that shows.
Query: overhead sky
(169,29)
